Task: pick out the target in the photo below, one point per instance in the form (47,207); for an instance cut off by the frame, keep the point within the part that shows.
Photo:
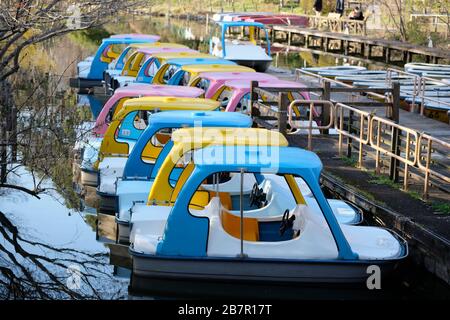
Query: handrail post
(326,96)
(395,101)
(406,172)
(349,139)
(427,170)
(395,147)
(283,103)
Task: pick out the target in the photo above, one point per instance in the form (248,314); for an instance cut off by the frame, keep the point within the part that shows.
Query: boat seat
(225,199)
(151,152)
(232,225)
(163,138)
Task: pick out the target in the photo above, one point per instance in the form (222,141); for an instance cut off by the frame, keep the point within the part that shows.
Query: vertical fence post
(361,136)
(349,139)
(326,96)
(377,154)
(406,172)
(283,103)
(395,139)
(427,169)
(395,115)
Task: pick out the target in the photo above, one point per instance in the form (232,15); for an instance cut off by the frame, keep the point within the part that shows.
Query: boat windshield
(203,84)
(171,70)
(155,144)
(249,35)
(225,97)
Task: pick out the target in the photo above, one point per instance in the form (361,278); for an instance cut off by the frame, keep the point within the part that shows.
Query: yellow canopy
(188,139)
(110,146)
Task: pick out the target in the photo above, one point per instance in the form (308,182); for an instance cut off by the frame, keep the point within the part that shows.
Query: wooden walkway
(355,45)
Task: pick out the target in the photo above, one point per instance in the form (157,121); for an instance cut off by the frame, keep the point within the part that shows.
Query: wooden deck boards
(396,45)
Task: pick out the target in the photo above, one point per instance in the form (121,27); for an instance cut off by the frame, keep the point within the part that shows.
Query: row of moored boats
(197,193)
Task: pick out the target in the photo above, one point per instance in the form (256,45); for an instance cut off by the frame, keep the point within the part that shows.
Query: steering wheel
(254,195)
(286,222)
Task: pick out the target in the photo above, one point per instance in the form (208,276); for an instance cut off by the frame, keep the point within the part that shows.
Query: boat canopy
(116,101)
(106,55)
(135,167)
(171,66)
(240,90)
(152,64)
(125,119)
(187,235)
(211,81)
(186,140)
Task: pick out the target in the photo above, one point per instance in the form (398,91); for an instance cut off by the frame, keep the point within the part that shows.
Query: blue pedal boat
(138,175)
(90,71)
(168,73)
(243,47)
(212,244)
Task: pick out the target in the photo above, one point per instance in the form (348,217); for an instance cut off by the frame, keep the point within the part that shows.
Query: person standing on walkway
(317,7)
(340,5)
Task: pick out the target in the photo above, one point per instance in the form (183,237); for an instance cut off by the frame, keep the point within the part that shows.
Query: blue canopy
(187,235)
(136,168)
(98,66)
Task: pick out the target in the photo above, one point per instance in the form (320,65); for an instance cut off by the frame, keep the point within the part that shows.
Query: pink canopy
(242,87)
(217,79)
(138,90)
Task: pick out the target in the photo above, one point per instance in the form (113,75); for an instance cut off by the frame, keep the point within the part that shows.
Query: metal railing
(428,158)
(362,138)
(414,153)
(310,104)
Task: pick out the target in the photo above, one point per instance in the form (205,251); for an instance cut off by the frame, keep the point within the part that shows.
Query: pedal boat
(128,123)
(234,96)
(243,49)
(91,142)
(90,71)
(173,71)
(189,73)
(137,54)
(151,60)
(186,140)
(212,81)
(139,174)
(212,244)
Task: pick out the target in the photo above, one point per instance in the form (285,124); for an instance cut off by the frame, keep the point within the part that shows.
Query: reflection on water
(51,250)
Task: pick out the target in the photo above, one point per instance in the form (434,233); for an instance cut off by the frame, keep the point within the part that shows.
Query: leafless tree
(36,131)
(396,12)
(26,23)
